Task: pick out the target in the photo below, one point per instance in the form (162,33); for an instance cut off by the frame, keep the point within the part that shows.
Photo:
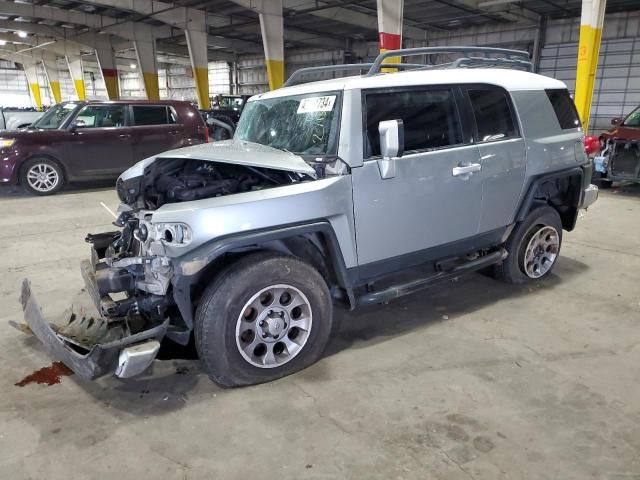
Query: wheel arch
(46,156)
(561,190)
(315,243)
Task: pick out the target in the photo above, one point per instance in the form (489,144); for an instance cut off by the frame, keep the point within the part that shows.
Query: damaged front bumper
(91,345)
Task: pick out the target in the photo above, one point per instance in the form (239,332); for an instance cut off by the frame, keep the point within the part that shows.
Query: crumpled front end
(90,344)
(117,325)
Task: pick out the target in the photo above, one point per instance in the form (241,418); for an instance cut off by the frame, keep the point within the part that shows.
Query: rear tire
(265,317)
(41,176)
(533,247)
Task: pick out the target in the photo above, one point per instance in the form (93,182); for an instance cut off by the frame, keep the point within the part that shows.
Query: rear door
(502,155)
(101,147)
(428,203)
(155,130)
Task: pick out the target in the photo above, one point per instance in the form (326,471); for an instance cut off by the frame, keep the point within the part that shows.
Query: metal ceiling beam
(348,16)
(507,12)
(174,16)
(86,20)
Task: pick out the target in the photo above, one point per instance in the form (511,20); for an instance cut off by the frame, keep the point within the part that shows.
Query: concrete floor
(478,380)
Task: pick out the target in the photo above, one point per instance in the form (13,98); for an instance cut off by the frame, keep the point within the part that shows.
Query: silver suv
(350,191)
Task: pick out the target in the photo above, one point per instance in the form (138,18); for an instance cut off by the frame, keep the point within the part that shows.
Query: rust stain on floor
(47,375)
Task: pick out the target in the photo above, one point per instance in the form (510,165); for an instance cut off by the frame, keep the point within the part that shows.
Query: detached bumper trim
(589,196)
(99,360)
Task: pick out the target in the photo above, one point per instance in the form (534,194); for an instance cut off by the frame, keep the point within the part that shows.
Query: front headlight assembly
(7,142)
(173,233)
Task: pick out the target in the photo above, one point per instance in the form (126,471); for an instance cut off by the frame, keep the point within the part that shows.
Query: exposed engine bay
(131,274)
(619,159)
(172,180)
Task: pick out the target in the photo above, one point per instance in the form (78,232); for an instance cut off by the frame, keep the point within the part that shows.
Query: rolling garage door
(617,88)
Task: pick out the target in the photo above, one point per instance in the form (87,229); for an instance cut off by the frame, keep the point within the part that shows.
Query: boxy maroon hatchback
(92,140)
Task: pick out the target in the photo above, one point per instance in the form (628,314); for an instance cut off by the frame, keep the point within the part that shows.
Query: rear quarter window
(564,108)
(493,114)
(152,115)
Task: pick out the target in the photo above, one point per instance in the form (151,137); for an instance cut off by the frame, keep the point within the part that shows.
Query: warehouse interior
(469,379)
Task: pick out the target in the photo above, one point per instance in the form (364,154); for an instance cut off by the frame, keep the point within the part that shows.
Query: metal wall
(252,73)
(14,90)
(617,87)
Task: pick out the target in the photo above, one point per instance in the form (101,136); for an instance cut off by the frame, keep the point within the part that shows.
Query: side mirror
(391,146)
(77,124)
(616,120)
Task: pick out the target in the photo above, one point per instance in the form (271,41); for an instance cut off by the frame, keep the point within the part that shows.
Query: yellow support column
(51,70)
(109,70)
(198,54)
(148,63)
(390,14)
(591,24)
(31,72)
(76,70)
(272,29)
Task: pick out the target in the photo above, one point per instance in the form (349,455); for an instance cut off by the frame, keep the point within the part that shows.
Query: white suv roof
(508,79)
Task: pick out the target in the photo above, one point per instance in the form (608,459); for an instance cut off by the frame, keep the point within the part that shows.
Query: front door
(100,146)
(435,197)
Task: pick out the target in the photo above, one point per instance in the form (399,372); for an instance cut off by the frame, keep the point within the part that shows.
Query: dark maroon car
(619,159)
(75,141)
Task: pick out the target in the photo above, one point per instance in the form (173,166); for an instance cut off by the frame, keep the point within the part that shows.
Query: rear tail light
(591,144)
(206,135)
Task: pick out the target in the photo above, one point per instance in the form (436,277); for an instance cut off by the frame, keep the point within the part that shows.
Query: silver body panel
(423,206)
(325,199)
(435,197)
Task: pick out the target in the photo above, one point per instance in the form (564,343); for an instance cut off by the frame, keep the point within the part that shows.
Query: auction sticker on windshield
(316,104)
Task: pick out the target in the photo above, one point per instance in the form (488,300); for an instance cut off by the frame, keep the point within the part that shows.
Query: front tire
(533,247)
(41,176)
(264,317)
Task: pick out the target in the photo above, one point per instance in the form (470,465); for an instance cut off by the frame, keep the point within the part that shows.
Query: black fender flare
(188,269)
(528,199)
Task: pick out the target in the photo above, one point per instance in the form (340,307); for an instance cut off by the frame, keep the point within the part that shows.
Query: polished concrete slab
(472,380)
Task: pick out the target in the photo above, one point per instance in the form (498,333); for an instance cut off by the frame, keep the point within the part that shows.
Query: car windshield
(633,119)
(302,124)
(55,116)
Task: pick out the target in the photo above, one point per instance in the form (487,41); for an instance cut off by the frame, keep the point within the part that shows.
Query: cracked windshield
(302,124)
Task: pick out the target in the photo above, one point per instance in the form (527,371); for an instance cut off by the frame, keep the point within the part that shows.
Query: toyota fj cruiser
(331,192)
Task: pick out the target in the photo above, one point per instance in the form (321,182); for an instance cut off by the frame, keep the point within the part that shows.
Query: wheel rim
(273,326)
(42,177)
(541,252)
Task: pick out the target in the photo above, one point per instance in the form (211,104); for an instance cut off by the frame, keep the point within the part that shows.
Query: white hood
(231,151)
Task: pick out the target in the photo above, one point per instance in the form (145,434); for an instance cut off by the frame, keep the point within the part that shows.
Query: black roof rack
(500,57)
(295,76)
(509,58)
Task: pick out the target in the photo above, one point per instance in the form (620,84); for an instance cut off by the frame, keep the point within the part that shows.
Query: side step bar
(413,286)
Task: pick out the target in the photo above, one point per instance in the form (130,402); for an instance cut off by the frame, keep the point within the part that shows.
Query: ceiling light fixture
(22,34)
(133,65)
(3,42)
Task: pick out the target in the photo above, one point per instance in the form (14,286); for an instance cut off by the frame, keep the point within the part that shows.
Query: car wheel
(533,247)
(264,317)
(41,176)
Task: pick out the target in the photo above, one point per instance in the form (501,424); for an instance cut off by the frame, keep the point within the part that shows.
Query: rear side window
(430,119)
(493,114)
(564,107)
(152,115)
